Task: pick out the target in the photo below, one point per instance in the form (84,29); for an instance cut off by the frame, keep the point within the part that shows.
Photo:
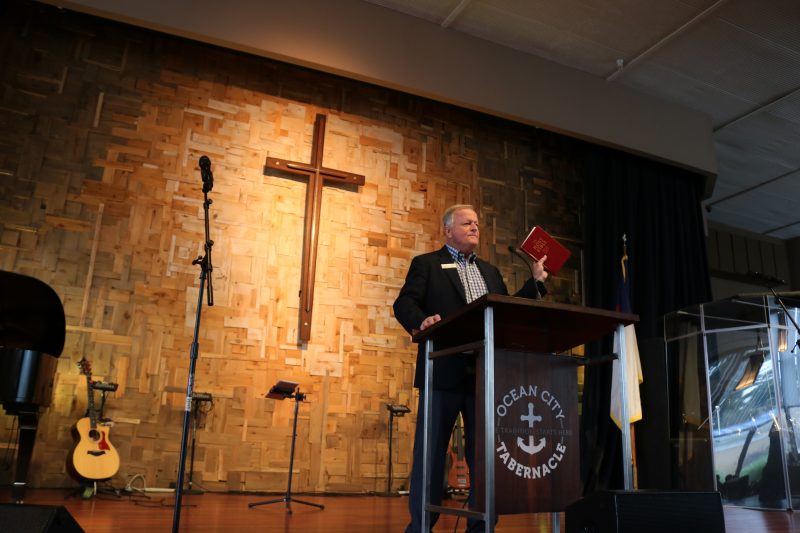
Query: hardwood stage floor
(229,513)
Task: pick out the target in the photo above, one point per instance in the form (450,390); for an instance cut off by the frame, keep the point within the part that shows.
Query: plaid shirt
(471,278)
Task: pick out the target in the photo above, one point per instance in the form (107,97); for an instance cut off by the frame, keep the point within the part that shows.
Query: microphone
(205,173)
(514,250)
(540,288)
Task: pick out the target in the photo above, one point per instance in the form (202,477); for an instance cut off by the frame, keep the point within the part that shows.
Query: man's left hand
(538,271)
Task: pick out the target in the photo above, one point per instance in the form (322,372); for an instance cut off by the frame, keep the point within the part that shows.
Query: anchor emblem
(530,448)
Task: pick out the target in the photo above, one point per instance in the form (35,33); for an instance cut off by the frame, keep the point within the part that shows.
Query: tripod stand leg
(251,505)
(295,500)
(289,500)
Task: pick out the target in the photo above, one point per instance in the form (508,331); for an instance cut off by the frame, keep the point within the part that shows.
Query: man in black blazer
(437,284)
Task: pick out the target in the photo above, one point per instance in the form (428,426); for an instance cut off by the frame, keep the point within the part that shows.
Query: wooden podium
(529,461)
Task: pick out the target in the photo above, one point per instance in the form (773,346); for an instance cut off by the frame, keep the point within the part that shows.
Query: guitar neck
(90,394)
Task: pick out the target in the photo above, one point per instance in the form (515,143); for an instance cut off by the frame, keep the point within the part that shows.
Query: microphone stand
(789,315)
(771,282)
(205,279)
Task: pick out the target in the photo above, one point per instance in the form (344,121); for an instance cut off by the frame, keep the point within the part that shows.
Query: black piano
(32,331)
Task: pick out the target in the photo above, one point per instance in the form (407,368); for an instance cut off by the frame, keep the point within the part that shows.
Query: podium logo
(530,432)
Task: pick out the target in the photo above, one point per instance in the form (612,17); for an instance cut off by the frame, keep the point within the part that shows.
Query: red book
(539,243)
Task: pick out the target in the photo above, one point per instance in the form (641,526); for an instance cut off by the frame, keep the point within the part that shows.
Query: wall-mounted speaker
(646,512)
(27,518)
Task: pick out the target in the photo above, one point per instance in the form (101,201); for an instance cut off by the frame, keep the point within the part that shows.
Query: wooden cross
(317,177)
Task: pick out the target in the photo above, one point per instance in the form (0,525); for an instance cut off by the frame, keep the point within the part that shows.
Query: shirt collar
(460,257)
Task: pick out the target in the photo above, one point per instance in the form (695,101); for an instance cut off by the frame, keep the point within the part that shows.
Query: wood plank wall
(100,197)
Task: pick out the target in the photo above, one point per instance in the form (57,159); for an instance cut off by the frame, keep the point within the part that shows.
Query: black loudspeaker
(646,511)
(27,518)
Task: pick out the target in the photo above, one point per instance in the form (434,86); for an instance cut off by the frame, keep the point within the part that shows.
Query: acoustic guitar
(458,477)
(94,457)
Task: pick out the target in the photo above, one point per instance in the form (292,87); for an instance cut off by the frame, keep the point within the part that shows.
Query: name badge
(449,265)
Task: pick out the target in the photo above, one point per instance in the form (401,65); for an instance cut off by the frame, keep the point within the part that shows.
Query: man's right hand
(431,320)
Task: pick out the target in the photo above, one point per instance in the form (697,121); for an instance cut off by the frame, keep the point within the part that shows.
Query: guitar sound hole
(94,434)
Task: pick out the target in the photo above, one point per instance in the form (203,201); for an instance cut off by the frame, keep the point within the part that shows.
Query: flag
(633,370)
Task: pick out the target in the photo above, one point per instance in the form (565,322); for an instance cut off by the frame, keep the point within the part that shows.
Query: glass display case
(734,399)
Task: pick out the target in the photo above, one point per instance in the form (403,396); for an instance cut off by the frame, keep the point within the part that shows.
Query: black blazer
(430,289)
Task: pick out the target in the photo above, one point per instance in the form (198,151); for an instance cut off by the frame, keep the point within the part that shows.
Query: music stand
(282,390)
(197,399)
(104,388)
(394,411)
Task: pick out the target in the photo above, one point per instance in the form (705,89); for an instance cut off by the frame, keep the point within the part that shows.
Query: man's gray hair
(447,218)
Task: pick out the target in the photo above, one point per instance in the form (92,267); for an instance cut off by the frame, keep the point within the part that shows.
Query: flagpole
(625,417)
(627,470)
(634,463)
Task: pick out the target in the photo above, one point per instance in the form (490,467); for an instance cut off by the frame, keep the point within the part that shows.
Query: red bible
(539,243)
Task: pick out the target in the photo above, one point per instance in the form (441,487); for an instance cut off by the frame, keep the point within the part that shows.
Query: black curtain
(658,208)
